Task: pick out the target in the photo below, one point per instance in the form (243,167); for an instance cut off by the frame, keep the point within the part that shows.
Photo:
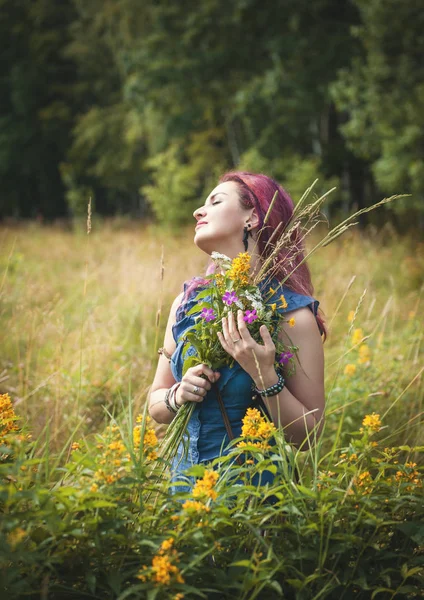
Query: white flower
(221,259)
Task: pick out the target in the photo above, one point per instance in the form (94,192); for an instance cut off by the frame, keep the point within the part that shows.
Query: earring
(245,236)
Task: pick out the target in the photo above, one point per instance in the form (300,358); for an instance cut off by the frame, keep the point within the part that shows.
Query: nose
(199,213)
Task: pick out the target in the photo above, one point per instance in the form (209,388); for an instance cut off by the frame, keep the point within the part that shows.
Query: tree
(382,96)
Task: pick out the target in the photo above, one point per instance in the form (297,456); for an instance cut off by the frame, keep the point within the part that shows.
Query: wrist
(266,379)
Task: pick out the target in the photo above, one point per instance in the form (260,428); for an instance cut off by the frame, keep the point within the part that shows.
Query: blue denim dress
(206,436)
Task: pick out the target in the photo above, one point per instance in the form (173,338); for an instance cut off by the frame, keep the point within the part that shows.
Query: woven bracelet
(273,389)
(167,404)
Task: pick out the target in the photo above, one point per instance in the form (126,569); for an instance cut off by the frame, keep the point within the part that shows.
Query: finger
(266,336)
(232,327)
(200,370)
(225,331)
(242,327)
(223,342)
(202,384)
(187,396)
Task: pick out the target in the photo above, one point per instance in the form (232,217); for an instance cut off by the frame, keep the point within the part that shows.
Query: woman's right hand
(195,384)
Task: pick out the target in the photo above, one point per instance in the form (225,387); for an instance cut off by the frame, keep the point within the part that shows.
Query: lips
(200,223)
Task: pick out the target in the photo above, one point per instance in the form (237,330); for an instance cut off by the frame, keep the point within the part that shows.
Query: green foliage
(103,523)
(107,99)
(295,173)
(382,93)
(182,177)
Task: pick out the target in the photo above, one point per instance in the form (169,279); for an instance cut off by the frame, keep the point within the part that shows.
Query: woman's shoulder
(286,300)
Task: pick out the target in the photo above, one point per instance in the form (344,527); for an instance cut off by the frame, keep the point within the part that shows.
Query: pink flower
(285,357)
(250,316)
(208,314)
(229,298)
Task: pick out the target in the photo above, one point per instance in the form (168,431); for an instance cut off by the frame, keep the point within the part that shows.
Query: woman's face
(221,220)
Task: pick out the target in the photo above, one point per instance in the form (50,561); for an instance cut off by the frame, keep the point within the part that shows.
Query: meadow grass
(83,317)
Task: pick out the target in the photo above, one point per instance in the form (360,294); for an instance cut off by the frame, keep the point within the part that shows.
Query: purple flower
(285,357)
(208,314)
(250,316)
(229,298)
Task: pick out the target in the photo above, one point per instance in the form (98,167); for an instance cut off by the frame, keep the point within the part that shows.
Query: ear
(253,221)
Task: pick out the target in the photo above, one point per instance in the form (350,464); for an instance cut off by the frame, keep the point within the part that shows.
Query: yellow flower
(349,370)
(240,267)
(357,336)
(163,570)
(205,486)
(220,282)
(364,354)
(179,596)
(292,322)
(350,316)
(150,439)
(75,446)
(283,302)
(7,415)
(94,487)
(166,545)
(373,422)
(273,307)
(195,505)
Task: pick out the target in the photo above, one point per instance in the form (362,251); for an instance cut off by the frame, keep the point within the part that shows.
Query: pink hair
(257,191)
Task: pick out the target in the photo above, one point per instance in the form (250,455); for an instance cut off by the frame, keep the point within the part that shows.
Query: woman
(232,221)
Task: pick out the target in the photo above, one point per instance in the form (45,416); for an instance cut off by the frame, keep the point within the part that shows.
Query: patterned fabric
(206,436)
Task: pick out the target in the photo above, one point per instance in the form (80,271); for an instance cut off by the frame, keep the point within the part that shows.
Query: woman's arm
(164,379)
(304,390)
(194,385)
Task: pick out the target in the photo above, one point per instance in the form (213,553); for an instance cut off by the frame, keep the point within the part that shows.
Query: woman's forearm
(288,412)
(157,407)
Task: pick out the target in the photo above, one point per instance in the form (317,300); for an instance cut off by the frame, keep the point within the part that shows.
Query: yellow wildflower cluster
(357,336)
(364,354)
(364,481)
(409,475)
(254,424)
(116,460)
(204,488)
(7,415)
(350,316)
(350,370)
(163,568)
(283,301)
(292,322)
(240,267)
(220,282)
(195,506)
(150,440)
(372,422)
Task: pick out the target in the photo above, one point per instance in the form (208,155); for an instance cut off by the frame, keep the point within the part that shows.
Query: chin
(204,243)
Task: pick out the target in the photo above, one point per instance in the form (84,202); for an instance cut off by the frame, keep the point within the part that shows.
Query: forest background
(141,105)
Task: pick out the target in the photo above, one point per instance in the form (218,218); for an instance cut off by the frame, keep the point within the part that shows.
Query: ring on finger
(196,389)
(235,341)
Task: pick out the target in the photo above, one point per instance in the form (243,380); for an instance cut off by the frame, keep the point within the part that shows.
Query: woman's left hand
(237,341)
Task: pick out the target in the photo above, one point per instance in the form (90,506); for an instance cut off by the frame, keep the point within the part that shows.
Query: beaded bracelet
(273,389)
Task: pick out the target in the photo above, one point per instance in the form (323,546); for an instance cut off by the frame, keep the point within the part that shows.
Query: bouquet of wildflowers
(230,288)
